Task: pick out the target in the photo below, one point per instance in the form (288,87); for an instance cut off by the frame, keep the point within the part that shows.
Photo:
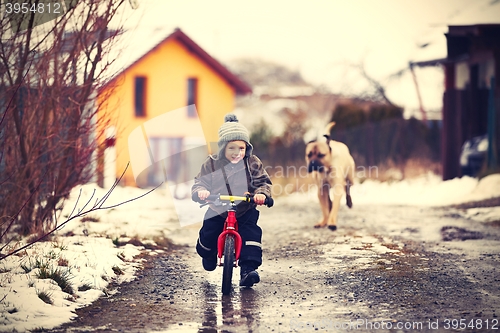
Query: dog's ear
(328,139)
(327,131)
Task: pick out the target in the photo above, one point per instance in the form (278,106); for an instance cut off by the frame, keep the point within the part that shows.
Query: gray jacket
(248,175)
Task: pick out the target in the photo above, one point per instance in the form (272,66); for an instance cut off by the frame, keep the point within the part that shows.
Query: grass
(52,255)
(59,246)
(12,310)
(121,256)
(45,296)
(61,277)
(85,287)
(71,298)
(46,271)
(62,262)
(117,270)
(89,219)
(36,263)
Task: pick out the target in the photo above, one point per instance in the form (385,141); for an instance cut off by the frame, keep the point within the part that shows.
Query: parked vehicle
(473,155)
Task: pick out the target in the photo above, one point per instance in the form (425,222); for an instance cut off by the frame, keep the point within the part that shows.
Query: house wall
(167,68)
(462,75)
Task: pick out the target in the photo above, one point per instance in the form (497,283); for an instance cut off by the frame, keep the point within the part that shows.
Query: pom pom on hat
(230,118)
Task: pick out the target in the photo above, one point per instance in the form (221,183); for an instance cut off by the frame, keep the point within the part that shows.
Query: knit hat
(232,130)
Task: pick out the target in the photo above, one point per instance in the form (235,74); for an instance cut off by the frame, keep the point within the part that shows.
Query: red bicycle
(229,242)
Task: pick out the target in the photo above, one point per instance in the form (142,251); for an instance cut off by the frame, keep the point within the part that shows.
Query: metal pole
(420,104)
(492,149)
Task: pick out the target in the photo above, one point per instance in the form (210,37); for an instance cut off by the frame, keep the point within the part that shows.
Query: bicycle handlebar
(269,202)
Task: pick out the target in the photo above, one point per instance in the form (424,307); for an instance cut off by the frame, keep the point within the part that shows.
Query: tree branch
(81,213)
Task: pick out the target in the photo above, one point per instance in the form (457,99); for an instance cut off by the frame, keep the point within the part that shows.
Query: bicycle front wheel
(229,257)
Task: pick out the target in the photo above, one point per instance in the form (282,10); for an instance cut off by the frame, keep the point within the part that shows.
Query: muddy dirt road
(390,268)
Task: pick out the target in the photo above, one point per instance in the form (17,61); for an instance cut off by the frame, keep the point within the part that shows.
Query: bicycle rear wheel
(227,272)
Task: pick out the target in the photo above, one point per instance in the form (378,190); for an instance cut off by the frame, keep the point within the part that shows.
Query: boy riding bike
(233,171)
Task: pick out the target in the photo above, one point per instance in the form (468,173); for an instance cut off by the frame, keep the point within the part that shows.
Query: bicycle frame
(230,228)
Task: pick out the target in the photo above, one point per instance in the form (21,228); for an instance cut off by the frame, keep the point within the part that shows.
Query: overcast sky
(322,38)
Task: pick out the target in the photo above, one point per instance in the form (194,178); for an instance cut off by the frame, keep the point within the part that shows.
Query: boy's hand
(259,198)
(203,194)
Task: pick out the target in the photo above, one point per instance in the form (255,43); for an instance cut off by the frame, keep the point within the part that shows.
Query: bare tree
(379,93)
(49,74)
(378,88)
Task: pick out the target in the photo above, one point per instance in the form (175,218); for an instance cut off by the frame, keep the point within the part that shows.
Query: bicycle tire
(227,272)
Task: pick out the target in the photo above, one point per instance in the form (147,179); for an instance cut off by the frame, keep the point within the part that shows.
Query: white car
(473,155)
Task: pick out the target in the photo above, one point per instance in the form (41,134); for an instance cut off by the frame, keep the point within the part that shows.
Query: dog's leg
(332,218)
(349,183)
(348,194)
(338,191)
(325,203)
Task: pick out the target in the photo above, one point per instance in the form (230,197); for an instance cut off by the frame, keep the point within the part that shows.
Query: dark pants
(250,232)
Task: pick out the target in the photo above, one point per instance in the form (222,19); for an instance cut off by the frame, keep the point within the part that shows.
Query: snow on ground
(85,250)
(427,190)
(85,253)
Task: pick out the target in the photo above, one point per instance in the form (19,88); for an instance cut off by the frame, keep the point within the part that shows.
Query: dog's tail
(349,183)
(328,130)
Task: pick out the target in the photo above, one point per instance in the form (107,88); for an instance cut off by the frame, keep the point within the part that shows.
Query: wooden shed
(471,101)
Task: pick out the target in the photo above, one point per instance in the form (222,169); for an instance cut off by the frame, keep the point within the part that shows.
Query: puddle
(456,233)
(184,327)
(364,250)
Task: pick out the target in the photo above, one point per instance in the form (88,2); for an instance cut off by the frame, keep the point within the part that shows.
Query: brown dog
(331,164)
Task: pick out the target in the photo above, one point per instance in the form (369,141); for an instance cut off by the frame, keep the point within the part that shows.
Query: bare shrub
(49,75)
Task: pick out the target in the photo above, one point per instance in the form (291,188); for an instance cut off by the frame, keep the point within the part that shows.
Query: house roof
(490,30)
(150,41)
(439,52)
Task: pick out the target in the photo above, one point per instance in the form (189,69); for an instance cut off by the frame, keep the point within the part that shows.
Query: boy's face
(235,151)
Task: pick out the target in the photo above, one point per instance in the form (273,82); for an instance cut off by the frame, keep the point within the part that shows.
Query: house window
(192,98)
(168,165)
(140,96)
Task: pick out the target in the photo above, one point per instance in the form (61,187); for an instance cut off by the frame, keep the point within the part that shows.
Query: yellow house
(174,74)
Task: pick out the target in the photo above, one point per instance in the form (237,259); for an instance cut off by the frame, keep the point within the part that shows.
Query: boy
(234,171)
